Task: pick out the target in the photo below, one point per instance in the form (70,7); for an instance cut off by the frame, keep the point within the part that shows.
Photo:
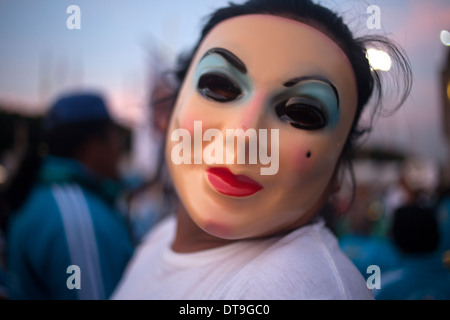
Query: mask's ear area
(343,163)
(335,183)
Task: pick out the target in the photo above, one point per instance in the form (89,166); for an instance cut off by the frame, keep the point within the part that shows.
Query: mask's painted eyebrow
(230,57)
(294,81)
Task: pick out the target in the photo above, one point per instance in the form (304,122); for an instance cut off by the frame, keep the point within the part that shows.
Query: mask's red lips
(224,181)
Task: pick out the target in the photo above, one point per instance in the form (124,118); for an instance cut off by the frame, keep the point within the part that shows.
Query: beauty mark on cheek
(302,160)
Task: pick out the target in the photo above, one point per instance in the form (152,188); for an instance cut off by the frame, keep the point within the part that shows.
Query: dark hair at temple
(369,82)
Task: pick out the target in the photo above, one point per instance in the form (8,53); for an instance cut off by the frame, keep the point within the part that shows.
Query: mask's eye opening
(302,113)
(218,87)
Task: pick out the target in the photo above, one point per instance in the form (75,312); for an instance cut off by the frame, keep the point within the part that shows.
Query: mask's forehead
(276,49)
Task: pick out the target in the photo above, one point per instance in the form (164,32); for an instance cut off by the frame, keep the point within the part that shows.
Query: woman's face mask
(259,126)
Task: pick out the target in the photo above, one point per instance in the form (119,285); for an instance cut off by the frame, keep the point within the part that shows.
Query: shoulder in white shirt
(306,263)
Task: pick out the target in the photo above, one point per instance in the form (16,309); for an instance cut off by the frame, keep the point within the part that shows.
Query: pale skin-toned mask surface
(277,60)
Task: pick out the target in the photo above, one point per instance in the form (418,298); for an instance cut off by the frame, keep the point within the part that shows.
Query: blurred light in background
(445,37)
(379,59)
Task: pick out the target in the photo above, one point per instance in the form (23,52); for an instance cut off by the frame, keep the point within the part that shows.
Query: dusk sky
(40,57)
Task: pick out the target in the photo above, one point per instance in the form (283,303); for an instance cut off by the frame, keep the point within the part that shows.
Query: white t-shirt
(307,263)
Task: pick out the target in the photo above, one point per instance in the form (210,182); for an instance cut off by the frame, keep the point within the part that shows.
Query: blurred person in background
(362,242)
(420,274)
(155,198)
(417,183)
(3,277)
(63,207)
(443,218)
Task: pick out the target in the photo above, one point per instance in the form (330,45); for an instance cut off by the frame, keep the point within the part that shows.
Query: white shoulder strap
(81,239)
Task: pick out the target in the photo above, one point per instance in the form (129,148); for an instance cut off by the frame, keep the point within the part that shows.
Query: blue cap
(75,108)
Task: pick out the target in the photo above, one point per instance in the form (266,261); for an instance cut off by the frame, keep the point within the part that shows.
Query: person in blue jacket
(420,274)
(66,239)
(443,218)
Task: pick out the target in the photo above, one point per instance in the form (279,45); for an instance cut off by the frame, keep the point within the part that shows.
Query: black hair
(415,229)
(369,82)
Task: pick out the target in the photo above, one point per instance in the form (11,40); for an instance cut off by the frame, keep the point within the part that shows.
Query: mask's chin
(223,225)
(233,218)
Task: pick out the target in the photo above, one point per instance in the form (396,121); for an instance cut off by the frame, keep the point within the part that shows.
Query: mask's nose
(253,113)
(242,134)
